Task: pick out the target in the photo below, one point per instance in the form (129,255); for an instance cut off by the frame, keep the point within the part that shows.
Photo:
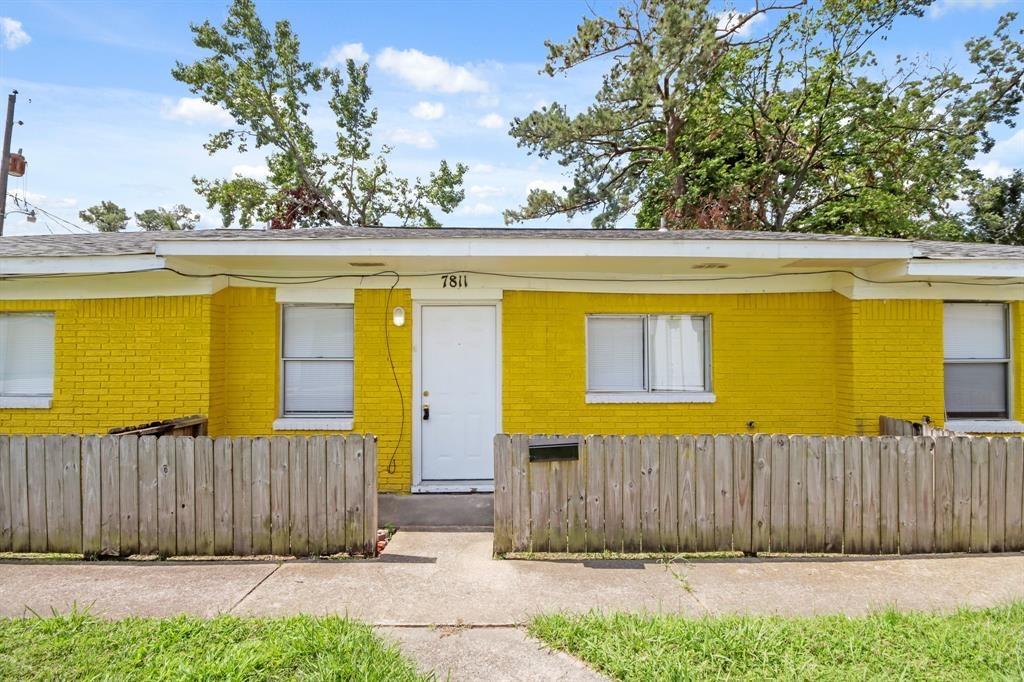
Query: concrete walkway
(448,579)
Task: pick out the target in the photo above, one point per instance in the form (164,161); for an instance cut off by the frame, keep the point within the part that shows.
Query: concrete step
(421,510)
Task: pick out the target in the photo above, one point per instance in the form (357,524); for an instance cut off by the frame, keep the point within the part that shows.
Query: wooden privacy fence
(891,426)
(777,493)
(178,495)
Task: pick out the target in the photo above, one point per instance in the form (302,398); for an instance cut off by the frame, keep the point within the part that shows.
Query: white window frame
(324,421)
(1007,363)
(36,400)
(647,394)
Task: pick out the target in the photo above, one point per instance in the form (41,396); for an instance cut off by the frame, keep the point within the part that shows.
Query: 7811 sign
(453,281)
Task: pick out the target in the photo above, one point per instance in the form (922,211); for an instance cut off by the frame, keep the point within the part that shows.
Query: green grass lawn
(79,647)
(967,645)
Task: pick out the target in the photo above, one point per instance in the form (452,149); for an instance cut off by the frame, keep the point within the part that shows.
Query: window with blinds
(26,355)
(647,353)
(977,366)
(317,354)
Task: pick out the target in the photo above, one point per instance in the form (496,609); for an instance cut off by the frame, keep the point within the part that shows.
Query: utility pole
(5,163)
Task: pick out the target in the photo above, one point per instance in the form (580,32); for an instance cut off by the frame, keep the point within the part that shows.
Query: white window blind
(615,354)
(647,353)
(975,331)
(977,351)
(26,355)
(317,357)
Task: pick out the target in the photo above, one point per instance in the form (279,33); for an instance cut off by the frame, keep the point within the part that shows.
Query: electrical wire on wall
(317,279)
(394,373)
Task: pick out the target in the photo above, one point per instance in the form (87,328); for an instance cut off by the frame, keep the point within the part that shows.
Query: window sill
(313,424)
(25,402)
(661,397)
(985,425)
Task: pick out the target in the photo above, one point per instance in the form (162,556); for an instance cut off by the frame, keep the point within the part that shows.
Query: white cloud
(491,121)
(340,54)
(550,185)
(44,200)
(257,171)
(427,72)
(993,169)
(478,208)
(428,111)
(12,34)
(1005,156)
(940,8)
(730,19)
(416,138)
(487,101)
(484,191)
(196,110)
(482,168)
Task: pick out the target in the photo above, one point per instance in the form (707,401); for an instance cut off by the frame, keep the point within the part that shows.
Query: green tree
(795,129)
(259,78)
(106,216)
(996,210)
(180,217)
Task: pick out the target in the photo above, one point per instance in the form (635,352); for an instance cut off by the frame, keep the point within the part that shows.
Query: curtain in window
(677,353)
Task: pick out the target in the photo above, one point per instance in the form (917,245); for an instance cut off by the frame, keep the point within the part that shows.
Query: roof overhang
(79,264)
(756,249)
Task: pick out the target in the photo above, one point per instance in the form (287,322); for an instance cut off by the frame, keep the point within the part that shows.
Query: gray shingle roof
(129,243)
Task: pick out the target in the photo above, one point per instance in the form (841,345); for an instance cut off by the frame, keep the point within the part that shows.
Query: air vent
(366,264)
(710,266)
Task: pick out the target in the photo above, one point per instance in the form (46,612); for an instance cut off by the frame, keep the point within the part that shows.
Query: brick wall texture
(801,363)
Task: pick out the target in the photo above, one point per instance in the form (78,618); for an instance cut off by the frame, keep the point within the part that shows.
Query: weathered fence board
(761,493)
(5,501)
(1014,495)
(19,495)
(128,452)
(177,495)
(576,479)
(854,495)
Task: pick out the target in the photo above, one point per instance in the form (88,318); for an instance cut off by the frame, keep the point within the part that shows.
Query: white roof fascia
(967,267)
(79,264)
(469,247)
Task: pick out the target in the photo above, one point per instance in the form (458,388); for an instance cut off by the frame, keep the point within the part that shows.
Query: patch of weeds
(970,644)
(79,646)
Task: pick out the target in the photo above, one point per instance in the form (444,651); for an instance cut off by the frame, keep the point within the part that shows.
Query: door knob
(426,412)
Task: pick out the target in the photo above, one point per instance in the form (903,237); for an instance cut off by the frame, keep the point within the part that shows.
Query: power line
(316,279)
(67,224)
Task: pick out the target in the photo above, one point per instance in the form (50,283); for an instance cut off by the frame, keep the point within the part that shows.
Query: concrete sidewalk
(455,610)
(449,578)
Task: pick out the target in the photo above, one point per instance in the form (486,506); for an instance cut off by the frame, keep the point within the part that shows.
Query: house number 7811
(454,281)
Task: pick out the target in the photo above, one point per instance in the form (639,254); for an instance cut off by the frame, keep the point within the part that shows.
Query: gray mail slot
(554,449)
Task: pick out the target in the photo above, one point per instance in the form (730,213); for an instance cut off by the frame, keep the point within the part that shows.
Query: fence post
(502,494)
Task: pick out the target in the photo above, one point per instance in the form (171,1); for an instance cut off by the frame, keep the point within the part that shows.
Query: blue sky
(105,120)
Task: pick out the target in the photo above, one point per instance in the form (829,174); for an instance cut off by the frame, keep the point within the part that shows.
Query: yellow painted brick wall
(891,362)
(1017,366)
(120,362)
(773,362)
(251,353)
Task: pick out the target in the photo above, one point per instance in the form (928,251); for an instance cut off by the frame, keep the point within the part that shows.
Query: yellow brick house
(435,340)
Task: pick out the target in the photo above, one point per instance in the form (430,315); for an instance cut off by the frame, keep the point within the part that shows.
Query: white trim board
(791,249)
(300,294)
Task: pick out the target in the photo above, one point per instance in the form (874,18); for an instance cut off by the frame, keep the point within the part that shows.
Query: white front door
(458,392)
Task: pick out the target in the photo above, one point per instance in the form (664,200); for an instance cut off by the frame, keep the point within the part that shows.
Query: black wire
(315,279)
(394,373)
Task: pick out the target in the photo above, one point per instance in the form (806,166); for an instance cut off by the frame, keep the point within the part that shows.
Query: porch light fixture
(398,316)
